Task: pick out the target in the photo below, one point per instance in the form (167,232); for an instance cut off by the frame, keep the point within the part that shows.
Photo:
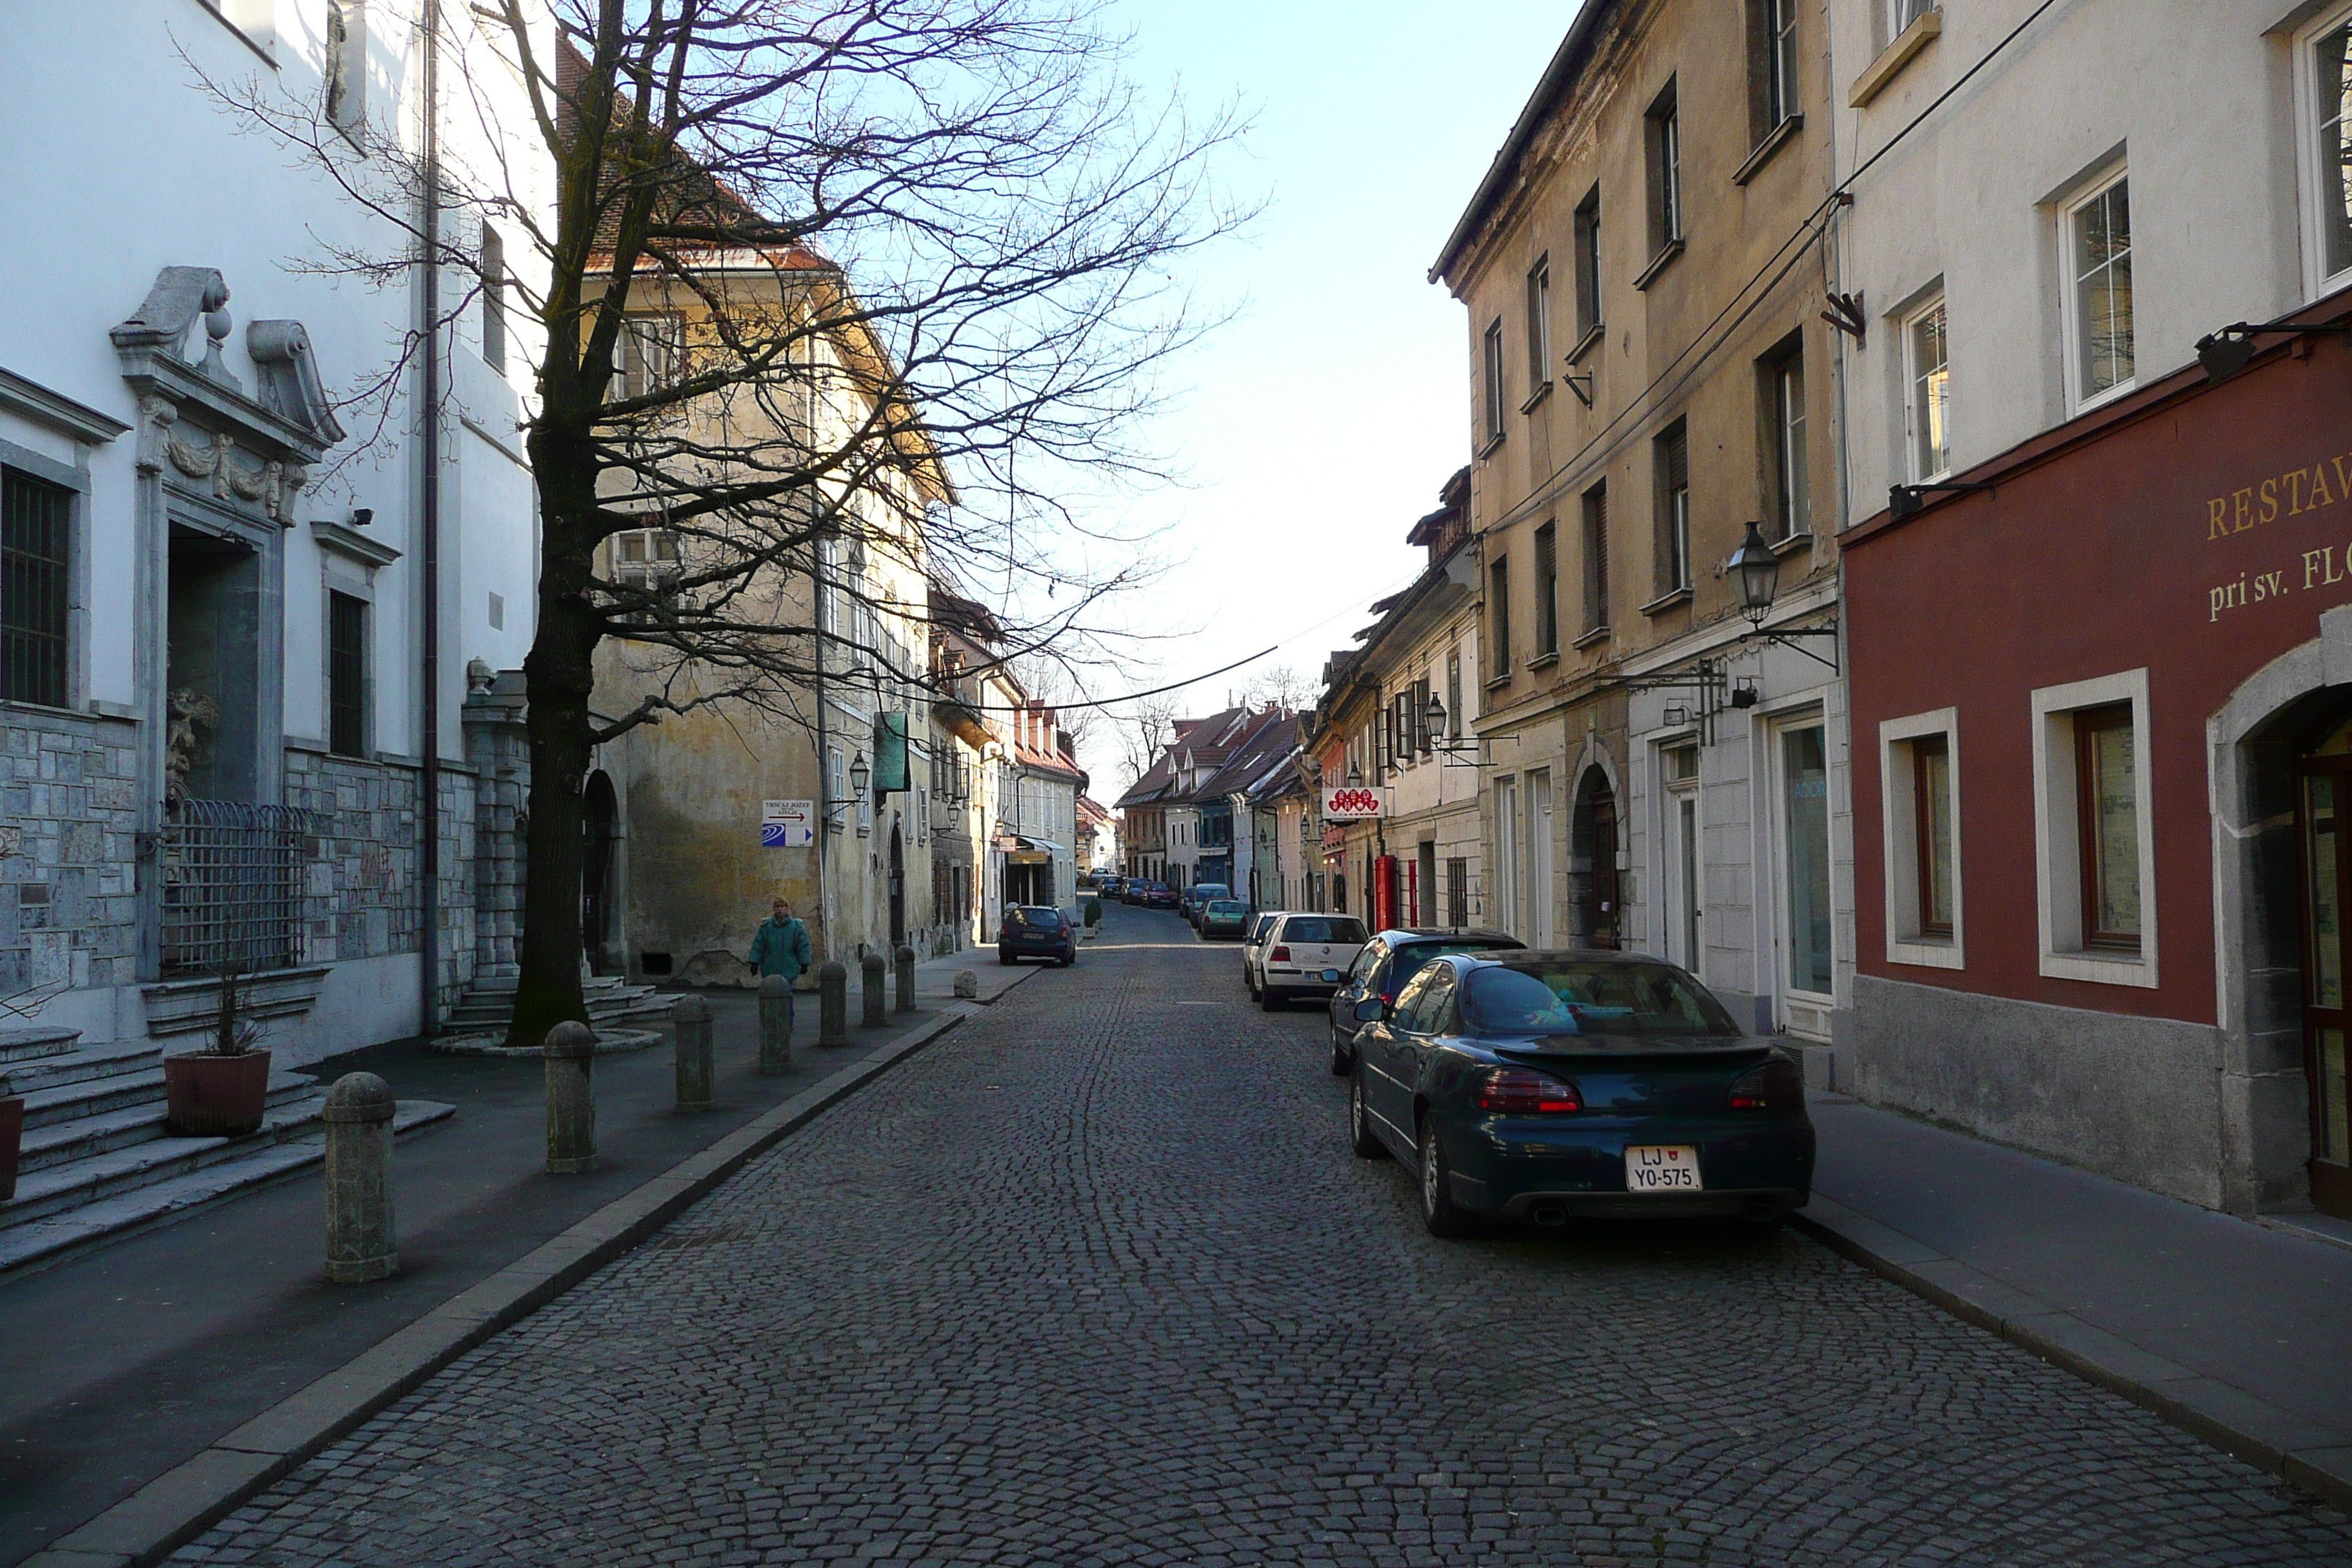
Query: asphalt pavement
(1095,1279)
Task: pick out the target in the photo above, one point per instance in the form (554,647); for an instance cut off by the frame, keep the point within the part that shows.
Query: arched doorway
(2322,781)
(897,888)
(1592,864)
(600,836)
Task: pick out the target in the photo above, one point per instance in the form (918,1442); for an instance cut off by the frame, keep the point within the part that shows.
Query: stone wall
(68,843)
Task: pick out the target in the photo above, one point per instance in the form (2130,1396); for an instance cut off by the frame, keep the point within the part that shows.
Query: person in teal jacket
(780,946)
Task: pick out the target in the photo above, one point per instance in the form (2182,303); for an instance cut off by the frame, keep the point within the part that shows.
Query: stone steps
(489,1005)
(241,1166)
(109,1171)
(56,1142)
(31,1045)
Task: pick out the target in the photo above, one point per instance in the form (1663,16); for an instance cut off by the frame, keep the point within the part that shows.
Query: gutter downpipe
(429,685)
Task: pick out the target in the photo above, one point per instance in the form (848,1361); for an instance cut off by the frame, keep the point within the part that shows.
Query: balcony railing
(232,885)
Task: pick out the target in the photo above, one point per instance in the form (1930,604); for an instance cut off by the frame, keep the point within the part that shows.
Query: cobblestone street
(1096,1280)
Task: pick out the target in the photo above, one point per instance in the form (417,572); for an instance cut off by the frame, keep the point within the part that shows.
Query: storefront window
(1931,793)
(1805,832)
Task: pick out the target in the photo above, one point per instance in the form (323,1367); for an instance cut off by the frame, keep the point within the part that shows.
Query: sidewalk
(120,1364)
(2234,1330)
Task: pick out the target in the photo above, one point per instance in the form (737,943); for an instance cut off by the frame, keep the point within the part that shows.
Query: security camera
(362,516)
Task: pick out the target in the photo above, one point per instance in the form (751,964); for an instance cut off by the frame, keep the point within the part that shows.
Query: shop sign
(1354,803)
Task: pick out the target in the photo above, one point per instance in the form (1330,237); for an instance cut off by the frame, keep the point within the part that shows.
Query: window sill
(2101,968)
(1597,635)
(1496,682)
(1780,136)
(2121,390)
(1542,390)
(1926,951)
(1793,543)
(1658,263)
(1588,343)
(1668,600)
(1893,57)
(1544,661)
(268,55)
(1487,450)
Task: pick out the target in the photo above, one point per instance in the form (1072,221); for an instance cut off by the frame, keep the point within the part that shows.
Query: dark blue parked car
(1544,1086)
(1037,930)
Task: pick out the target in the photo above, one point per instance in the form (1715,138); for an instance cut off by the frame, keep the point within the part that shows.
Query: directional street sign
(787,823)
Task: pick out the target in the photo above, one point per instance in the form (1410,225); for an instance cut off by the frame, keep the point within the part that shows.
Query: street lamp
(1433,717)
(1757,572)
(859,774)
(1355,778)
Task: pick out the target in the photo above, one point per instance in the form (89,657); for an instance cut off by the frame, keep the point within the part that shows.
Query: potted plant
(222,1090)
(12,1139)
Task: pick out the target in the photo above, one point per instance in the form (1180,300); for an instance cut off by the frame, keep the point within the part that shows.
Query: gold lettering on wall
(2303,489)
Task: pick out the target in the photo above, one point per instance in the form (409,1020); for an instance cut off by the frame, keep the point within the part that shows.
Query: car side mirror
(1330,977)
(1372,1010)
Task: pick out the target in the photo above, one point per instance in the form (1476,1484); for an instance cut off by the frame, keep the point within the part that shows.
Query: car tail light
(1279,955)
(1774,1084)
(1514,1091)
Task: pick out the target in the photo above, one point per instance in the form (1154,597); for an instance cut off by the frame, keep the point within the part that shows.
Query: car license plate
(1662,1168)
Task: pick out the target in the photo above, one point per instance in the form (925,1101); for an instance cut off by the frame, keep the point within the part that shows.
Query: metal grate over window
(35,533)
(232,885)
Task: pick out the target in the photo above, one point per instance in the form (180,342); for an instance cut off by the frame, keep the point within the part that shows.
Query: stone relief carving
(188,709)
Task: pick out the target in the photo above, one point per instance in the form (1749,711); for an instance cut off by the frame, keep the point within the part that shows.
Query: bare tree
(1281,684)
(878,275)
(1145,731)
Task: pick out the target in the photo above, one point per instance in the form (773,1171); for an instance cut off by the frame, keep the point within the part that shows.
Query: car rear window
(1412,958)
(1043,919)
(1323,928)
(1563,996)
(1227,906)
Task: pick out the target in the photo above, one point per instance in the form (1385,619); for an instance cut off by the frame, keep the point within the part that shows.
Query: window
(494,299)
(2094,848)
(1916,761)
(649,352)
(1454,695)
(1805,858)
(1901,14)
(1494,349)
(1673,457)
(1587,267)
(1457,892)
(1498,619)
(2331,97)
(1596,559)
(1539,325)
(1779,97)
(1547,591)
(644,557)
(36,534)
(346,69)
(2099,291)
(1665,150)
(346,675)
(1929,377)
(1784,401)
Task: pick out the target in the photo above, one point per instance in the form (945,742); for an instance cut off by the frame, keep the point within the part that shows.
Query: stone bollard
(691,1018)
(872,969)
(775,1025)
(363,1243)
(967,982)
(571,1053)
(832,1003)
(904,960)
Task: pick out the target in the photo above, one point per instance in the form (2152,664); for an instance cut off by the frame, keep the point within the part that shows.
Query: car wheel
(1269,999)
(1439,1214)
(1343,1060)
(1360,1137)
(1003,957)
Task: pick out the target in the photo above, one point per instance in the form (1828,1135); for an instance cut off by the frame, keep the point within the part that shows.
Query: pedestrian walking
(780,946)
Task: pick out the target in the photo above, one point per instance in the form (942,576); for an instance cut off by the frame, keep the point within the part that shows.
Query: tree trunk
(560,676)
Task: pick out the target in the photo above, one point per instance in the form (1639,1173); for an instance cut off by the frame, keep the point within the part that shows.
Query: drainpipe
(428,813)
(823,771)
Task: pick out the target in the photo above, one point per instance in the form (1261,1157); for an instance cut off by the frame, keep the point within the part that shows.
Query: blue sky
(1320,425)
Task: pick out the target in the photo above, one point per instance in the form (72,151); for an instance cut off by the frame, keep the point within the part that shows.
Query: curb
(2307,1456)
(183,1503)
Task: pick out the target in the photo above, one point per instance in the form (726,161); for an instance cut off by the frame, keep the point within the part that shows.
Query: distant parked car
(1199,896)
(1302,951)
(1262,926)
(1223,917)
(1111,887)
(1037,930)
(1156,896)
(1385,965)
(1545,1086)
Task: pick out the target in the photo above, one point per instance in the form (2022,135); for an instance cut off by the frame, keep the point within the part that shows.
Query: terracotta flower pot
(210,1096)
(11,1143)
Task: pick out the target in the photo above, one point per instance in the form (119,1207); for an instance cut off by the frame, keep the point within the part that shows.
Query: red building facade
(2102,723)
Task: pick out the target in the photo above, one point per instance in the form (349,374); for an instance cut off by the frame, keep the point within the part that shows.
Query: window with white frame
(1783,389)
(1539,325)
(649,354)
(2324,86)
(1927,377)
(1918,773)
(1780,18)
(1493,373)
(1665,160)
(1671,453)
(2097,229)
(1901,14)
(2094,843)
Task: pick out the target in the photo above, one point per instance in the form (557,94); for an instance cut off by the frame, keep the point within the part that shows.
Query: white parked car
(1300,950)
(1261,926)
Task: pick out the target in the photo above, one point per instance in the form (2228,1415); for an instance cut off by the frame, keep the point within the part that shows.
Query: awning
(1011,842)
